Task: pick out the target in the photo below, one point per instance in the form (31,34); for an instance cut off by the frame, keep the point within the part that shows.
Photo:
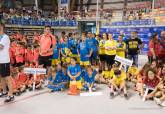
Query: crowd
(85,61)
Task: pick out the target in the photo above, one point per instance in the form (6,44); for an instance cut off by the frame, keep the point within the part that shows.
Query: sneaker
(112,95)
(9,99)
(157,100)
(126,96)
(2,94)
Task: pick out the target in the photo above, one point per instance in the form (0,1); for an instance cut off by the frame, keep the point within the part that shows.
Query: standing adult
(154,48)
(162,48)
(110,50)
(134,45)
(5,65)
(47,44)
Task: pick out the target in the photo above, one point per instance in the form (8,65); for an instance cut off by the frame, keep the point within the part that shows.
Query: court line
(22,99)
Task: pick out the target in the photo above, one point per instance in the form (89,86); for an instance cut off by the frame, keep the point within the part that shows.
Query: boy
(132,73)
(118,83)
(74,72)
(89,79)
(84,52)
(56,55)
(65,51)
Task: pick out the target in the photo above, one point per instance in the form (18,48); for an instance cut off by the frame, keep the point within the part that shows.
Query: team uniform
(121,47)
(56,55)
(119,80)
(65,48)
(110,54)
(84,50)
(89,80)
(102,50)
(56,82)
(93,44)
(74,70)
(74,46)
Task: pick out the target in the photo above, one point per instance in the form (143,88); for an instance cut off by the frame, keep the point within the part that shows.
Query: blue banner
(144,33)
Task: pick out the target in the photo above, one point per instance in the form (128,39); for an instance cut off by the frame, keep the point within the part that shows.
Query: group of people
(84,60)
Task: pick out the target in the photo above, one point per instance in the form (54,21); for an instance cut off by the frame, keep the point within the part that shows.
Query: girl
(89,79)
(110,50)
(55,80)
(74,72)
(161,73)
(159,93)
(141,76)
(151,81)
(118,83)
(121,47)
(102,51)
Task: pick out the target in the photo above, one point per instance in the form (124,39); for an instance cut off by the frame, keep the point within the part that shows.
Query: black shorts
(102,57)
(4,70)
(110,59)
(45,60)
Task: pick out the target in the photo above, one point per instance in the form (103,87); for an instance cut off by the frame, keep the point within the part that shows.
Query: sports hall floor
(42,102)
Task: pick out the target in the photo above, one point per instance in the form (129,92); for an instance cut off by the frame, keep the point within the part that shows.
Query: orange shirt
(45,44)
(20,54)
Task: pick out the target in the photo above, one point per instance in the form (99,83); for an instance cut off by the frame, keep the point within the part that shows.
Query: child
(89,79)
(65,51)
(132,73)
(161,73)
(84,52)
(118,83)
(74,72)
(65,77)
(121,47)
(159,93)
(21,80)
(19,54)
(151,81)
(55,80)
(141,76)
(56,55)
(102,51)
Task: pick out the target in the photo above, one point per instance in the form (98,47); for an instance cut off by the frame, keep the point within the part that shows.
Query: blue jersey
(56,51)
(58,78)
(65,77)
(65,46)
(74,70)
(84,50)
(93,43)
(90,79)
(73,44)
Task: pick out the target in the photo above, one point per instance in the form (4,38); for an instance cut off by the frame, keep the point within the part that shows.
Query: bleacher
(34,22)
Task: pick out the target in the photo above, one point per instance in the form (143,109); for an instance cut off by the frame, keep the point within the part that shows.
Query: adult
(162,48)
(154,48)
(134,45)
(110,50)
(47,44)
(5,65)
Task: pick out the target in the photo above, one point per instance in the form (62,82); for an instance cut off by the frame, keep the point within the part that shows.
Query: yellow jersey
(102,47)
(121,47)
(120,79)
(106,74)
(109,44)
(133,70)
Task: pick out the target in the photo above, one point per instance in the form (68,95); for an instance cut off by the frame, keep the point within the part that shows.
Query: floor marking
(22,99)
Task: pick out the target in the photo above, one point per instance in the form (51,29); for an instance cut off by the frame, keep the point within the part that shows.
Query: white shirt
(4,53)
